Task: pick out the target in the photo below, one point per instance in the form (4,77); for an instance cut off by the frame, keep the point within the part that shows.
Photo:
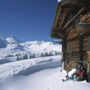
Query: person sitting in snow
(80,74)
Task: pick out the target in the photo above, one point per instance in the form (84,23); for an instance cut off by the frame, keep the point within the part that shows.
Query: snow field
(37,74)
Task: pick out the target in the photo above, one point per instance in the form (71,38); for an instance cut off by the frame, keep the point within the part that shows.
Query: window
(69,47)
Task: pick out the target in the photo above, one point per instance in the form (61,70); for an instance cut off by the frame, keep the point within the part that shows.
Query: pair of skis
(67,78)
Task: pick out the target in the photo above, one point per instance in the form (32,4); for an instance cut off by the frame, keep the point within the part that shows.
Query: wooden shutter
(88,43)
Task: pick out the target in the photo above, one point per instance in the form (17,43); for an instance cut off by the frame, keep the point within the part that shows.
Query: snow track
(26,67)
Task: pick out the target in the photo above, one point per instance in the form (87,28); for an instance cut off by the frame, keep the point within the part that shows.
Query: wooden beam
(57,35)
(63,2)
(56,19)
(56,15)
(74,17)
(63,18)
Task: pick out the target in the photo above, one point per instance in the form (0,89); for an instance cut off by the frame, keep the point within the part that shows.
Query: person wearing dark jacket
(81,74)
(84,75)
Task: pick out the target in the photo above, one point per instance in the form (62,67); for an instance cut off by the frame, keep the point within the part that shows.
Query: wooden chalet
(72,25)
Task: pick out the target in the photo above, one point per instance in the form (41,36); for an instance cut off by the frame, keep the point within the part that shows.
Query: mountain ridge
(12,46)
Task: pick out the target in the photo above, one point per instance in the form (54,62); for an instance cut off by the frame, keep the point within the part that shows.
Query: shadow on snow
(40,66)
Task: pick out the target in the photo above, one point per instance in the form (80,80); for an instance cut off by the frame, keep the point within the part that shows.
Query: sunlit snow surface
(37,74)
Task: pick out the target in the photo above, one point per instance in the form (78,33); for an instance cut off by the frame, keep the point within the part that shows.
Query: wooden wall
(74,55)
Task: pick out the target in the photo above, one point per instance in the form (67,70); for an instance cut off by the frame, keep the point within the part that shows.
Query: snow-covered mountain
(12,39)
(11,47)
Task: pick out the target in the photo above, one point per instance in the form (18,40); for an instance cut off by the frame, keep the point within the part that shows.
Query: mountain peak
(12,39)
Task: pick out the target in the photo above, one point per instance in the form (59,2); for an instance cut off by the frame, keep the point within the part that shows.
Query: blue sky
(27,19)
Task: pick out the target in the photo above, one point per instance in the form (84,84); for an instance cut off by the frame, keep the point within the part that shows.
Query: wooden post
(64,48)
(64,52)
(81,47)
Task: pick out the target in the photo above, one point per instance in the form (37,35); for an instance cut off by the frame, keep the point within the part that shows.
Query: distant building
(72,25)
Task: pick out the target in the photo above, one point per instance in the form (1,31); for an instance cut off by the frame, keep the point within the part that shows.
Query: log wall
(74,56)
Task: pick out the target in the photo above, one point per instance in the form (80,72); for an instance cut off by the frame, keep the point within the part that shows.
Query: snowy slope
(37,64)
(11,46)
(32,76)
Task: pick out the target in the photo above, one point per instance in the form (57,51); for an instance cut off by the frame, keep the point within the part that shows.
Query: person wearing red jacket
(81,74)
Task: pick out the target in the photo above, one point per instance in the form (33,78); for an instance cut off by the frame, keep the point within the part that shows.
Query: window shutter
(88,43)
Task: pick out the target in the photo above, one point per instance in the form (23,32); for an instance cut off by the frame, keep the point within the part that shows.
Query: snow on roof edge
(59,0)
